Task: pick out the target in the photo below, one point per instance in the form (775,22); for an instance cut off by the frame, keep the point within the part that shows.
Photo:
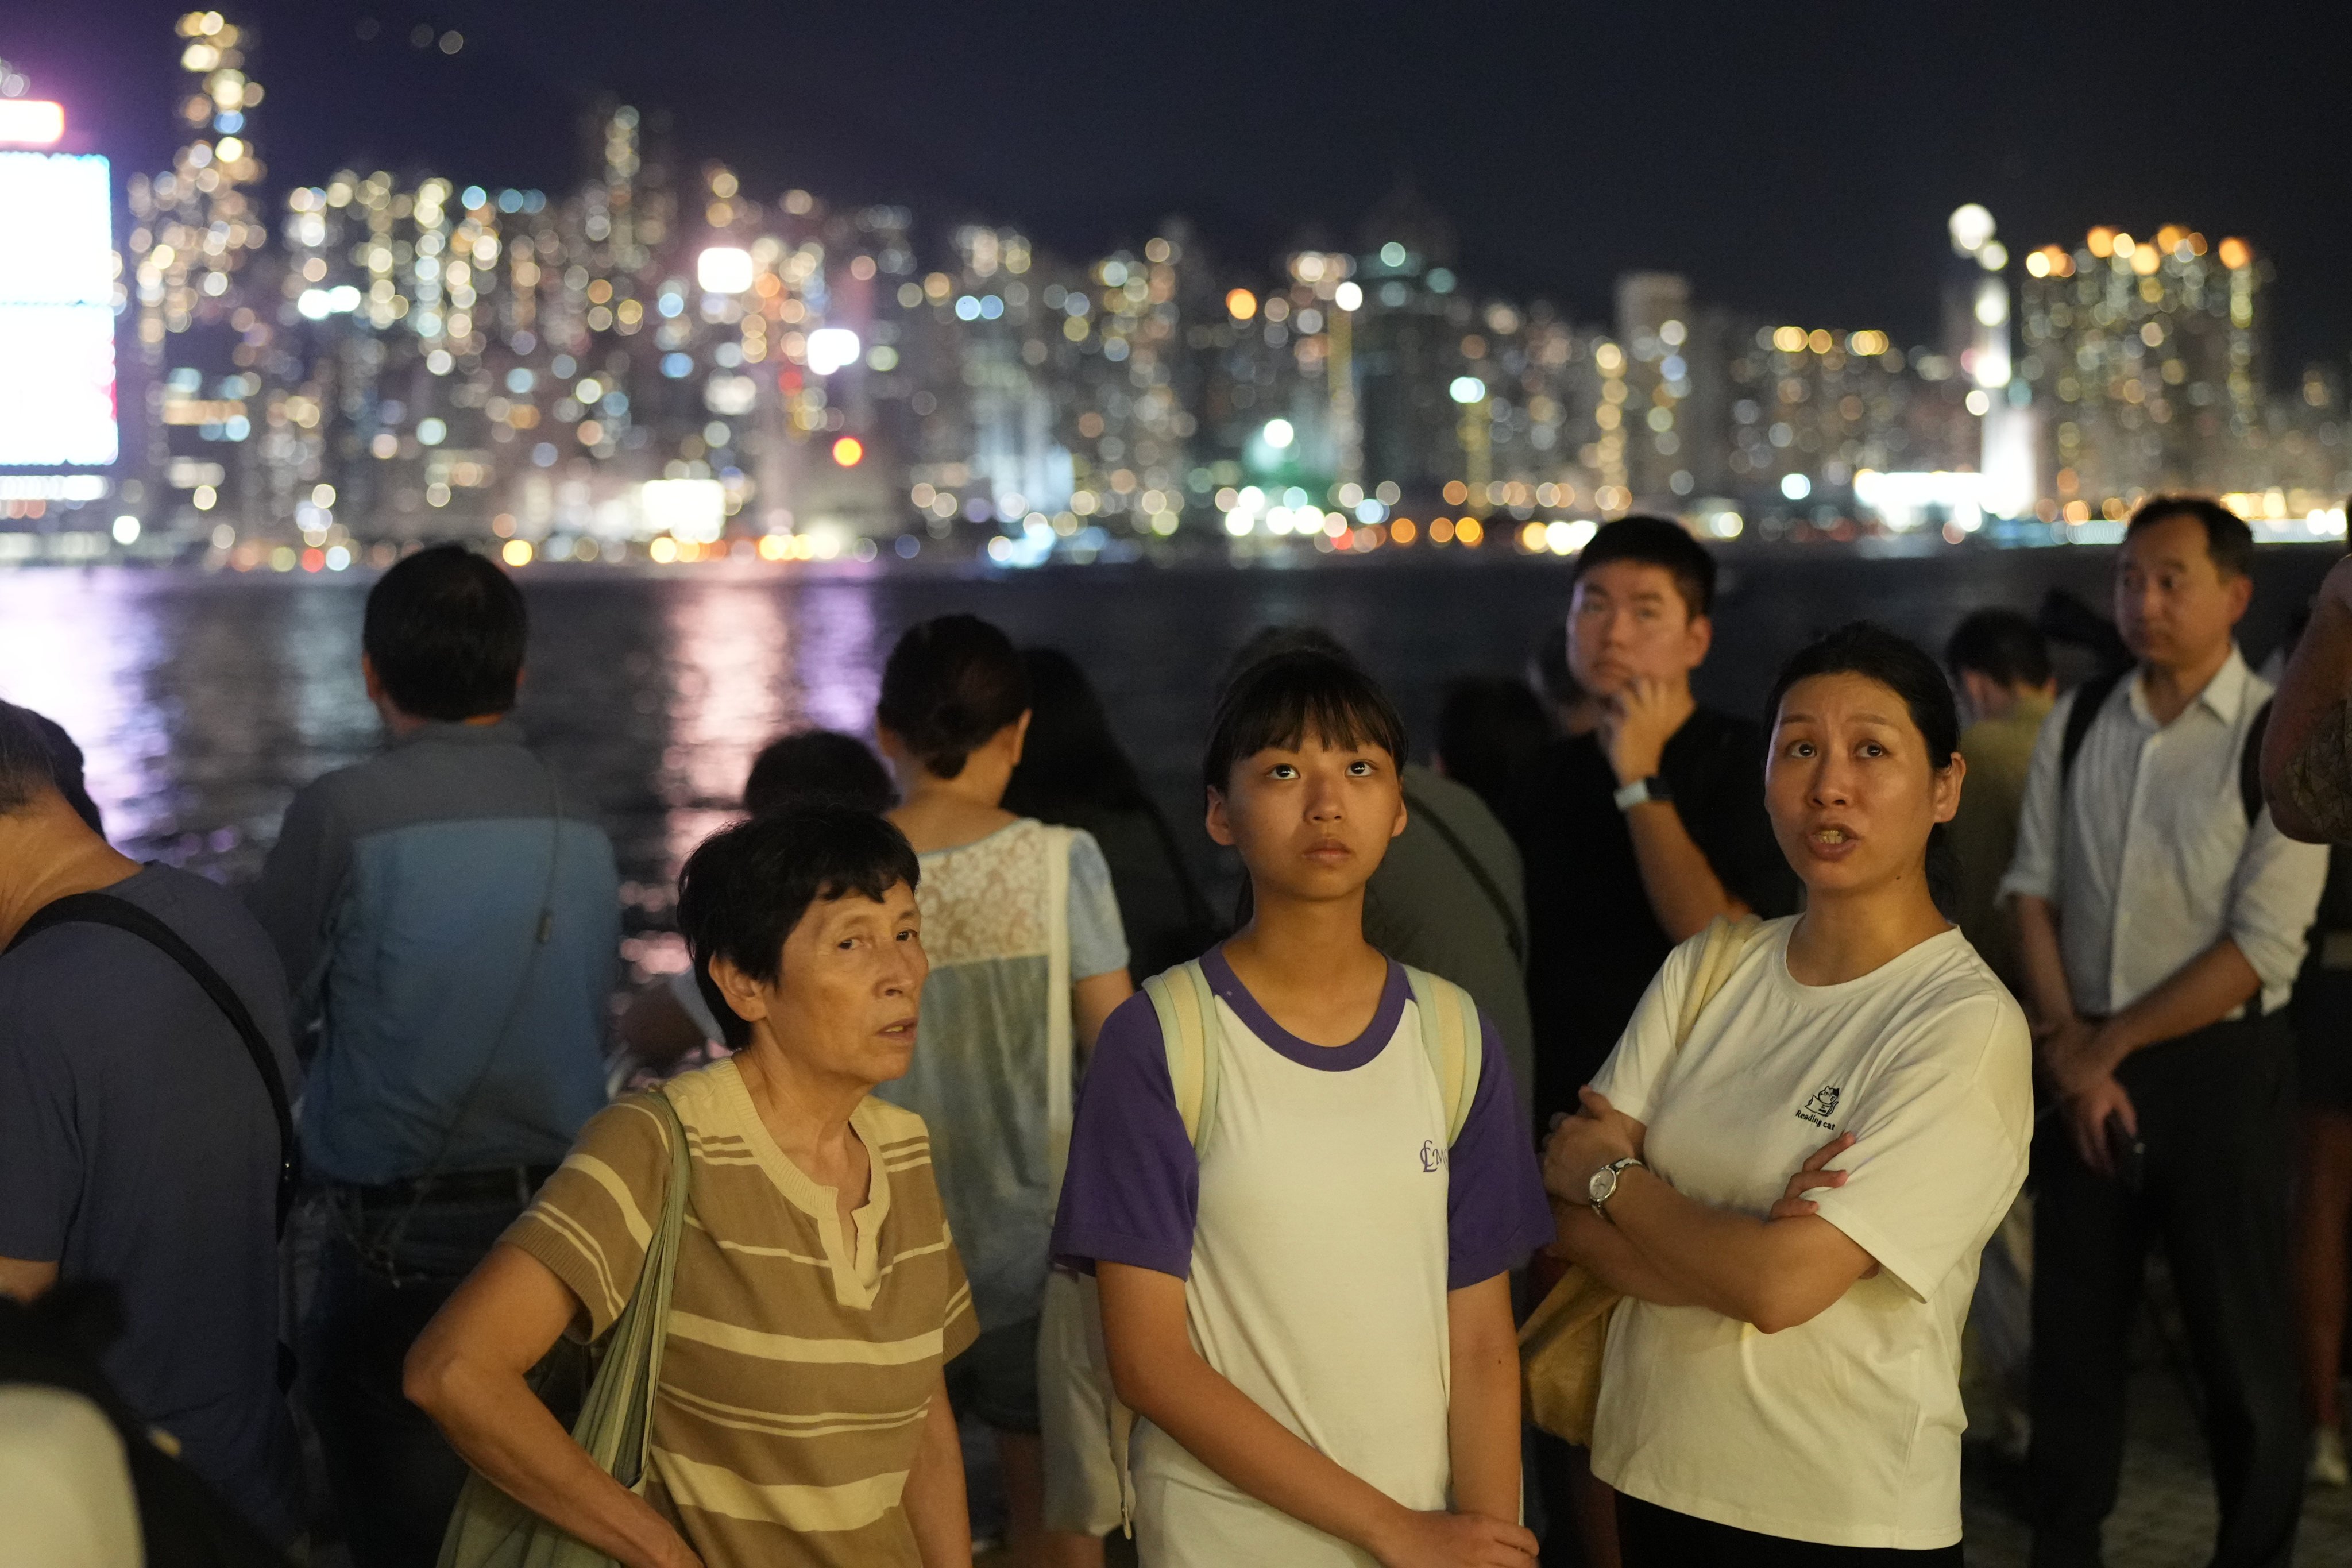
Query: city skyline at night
(659,358)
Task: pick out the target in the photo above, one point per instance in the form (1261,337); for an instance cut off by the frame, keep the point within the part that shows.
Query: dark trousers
(2215,1115)
(393,1479)
(1655,1537)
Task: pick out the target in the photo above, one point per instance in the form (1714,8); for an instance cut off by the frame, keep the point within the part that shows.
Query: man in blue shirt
(449,922)
(140,1147)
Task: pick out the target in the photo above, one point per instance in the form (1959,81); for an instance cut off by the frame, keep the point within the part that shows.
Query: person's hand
(2086,1114)
(1582,1143)
(1794,1203)
(2076,1056)
(1637,722)
(1453,1541)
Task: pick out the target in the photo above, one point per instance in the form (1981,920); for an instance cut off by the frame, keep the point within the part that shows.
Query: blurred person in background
(1028,957)
(2161,918)
(1074,772)
(449,919)
(1490,730)
(666,1027)
(146,1065)
(2000,663)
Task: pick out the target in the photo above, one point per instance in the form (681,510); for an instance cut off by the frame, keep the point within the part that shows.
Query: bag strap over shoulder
(1190,1035)
(1453,1040)
(1718,954)
(107,910)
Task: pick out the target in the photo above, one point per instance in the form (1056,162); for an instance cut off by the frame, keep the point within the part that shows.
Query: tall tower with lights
(197,228)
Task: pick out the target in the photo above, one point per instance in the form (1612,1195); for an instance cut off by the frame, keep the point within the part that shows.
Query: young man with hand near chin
(1641,832)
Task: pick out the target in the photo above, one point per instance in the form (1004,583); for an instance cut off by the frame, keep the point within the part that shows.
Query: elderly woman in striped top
(800,1416)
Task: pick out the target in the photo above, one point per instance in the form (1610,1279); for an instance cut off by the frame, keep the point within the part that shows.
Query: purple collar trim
(1327,1058)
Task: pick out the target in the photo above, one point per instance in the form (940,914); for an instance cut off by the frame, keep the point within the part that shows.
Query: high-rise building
(206,322)
(2147,355)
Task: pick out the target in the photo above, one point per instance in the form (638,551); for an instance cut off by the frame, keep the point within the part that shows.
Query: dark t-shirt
(137,1146)
(1594,941)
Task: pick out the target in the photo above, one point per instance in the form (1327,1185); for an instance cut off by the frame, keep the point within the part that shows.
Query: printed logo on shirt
(1821,1107)
(1432,1158)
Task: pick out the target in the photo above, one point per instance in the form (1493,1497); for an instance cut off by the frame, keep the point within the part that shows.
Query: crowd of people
(1835,1071)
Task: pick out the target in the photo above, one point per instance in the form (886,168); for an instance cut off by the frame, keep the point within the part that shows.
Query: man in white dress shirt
(2161,918)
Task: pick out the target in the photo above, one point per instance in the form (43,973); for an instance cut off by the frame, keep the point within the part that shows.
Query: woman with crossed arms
(1781,1384)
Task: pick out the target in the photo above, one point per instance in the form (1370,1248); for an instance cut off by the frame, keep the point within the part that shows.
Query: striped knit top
(800,1359)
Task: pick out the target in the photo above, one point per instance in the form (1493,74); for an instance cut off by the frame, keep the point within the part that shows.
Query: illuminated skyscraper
(199,229)
(2148,353)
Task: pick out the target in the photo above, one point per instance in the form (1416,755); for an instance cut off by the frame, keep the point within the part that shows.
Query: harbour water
(204,701)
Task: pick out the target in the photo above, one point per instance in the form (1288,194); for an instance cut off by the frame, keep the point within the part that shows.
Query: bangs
(1284,701)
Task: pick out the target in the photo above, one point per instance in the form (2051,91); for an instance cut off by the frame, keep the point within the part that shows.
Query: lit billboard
(56,312)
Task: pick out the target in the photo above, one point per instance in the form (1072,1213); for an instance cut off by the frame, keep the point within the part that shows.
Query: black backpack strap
(104,909)
(2250,766)
(2089,698)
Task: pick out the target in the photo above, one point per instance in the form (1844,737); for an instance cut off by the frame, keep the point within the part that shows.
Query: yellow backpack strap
(1189,1034)
(1718,954)
(1452,1039)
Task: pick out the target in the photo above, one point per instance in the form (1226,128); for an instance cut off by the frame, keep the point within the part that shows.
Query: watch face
(1603,1183)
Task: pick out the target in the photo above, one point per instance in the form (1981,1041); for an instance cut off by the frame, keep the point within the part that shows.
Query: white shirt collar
(2223,696)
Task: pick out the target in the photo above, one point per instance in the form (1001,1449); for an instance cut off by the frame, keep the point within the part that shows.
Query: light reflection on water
(202,703)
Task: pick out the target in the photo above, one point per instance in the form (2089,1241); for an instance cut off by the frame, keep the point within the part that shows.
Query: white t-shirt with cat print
(1844,1430)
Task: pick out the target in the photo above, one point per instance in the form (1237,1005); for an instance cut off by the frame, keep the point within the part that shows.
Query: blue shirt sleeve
(1132,1191)
(1097,941)
(40,1145)
(1496,1211)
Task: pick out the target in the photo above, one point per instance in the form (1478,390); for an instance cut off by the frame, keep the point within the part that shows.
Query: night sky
(1794,160)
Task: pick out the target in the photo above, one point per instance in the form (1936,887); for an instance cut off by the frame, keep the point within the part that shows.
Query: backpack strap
(1190,1035)
(106,910)
(1453,1040)
(2089,698)
(1726,938)
(2250,766)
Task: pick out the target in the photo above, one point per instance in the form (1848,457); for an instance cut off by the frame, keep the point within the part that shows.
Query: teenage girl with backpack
(1301,1174)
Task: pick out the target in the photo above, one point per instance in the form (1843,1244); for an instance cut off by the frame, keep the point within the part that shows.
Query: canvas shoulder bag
(1564,1338)
(490,1529)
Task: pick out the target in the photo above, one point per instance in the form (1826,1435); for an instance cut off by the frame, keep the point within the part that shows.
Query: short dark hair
(746,887)
(27,767)
(1655,541)
(2003,645)
(949,685)
(2227,540)
(445,630)
(817,767)
(1072,759)
(1901,666)
(1278,700)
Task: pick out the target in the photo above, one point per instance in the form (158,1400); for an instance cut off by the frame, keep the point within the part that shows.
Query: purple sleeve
(1133,1186)
(1495,1212)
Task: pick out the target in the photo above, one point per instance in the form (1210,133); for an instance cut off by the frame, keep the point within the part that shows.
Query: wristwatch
(1654,787)
(1604,1185)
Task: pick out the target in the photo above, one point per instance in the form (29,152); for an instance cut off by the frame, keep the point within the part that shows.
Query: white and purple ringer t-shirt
(1318,1237)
